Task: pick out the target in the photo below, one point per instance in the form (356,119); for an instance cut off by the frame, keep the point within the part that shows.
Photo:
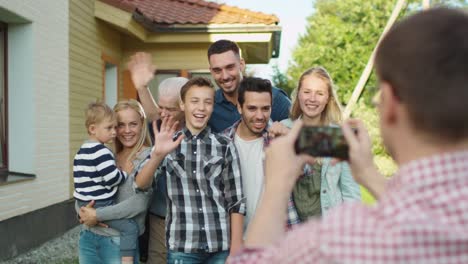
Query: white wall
(38,104)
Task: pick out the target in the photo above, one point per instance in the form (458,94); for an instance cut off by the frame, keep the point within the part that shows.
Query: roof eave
(266,36)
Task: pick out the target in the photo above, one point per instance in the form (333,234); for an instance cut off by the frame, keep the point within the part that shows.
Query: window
(3,99)
(110,80)
(17,119)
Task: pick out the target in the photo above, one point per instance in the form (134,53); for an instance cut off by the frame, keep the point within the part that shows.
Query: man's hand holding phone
(322,141)
(282,164)
(351,143)
(361,159)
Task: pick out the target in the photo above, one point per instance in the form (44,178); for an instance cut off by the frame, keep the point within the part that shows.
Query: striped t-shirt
(95,173)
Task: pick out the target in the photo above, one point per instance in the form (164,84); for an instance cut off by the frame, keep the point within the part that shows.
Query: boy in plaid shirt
(205,200)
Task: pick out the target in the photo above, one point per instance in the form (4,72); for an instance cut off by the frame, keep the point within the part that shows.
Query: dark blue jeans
(174,257)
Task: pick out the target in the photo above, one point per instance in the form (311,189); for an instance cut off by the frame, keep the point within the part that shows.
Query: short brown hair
(196,81)
(96,112)
(223,45)
(424,58)
(253,84)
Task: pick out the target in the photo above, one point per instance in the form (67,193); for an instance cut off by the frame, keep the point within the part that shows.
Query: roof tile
(192,12)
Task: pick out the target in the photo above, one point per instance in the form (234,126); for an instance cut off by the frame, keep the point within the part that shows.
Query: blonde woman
(101,245)
(323,185)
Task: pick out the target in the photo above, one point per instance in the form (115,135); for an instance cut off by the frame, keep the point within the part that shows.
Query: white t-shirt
(251,163)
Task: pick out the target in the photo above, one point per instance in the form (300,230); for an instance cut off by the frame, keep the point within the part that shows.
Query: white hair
(171,86)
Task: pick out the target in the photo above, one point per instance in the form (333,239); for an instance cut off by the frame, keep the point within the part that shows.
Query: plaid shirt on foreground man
(204,188)
(230,132)
(423,218)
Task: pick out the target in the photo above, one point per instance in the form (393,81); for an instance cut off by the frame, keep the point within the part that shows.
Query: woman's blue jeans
(97,249)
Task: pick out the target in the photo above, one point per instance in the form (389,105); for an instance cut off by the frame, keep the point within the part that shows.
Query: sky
(292,15)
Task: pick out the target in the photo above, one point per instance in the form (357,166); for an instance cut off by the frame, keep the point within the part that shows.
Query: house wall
(90,41)
(38,208)
(38,104)
(175,56)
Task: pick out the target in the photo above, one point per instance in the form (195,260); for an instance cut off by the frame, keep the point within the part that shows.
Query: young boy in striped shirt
(97,177)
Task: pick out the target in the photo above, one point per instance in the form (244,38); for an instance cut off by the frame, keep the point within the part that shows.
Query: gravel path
(63,249)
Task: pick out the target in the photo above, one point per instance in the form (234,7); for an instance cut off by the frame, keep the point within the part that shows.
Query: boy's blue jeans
(174,257)
(128,229)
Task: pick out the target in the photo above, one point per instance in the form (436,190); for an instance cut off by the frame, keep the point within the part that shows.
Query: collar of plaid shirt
(230,132)
(423,218)
(203,135)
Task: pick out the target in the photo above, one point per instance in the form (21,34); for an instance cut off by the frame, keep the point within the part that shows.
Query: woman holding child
(324,184)
(99,244)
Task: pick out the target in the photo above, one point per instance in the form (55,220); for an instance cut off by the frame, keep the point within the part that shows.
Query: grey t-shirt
(129,202)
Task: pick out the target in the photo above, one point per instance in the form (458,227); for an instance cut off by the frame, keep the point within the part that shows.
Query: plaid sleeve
(299,245)
(233,182)
(293,217)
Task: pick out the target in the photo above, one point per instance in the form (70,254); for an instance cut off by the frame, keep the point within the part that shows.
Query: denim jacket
(337,183)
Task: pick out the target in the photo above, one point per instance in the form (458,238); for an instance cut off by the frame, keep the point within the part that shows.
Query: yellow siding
(177,56)
(89,40)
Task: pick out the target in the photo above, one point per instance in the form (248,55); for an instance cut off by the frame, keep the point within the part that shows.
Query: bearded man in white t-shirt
(250,137)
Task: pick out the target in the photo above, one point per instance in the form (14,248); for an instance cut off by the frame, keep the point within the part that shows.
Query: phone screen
(323,141)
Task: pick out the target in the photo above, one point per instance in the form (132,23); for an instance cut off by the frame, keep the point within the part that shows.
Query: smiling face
(313,97)
(197,105)
(226,69)
(255,112)
(169,107)
(129,127)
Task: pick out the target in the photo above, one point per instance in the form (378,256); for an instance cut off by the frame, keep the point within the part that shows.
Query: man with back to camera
(226,68)
(422,212)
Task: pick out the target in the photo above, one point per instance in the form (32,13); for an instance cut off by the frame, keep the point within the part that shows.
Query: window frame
(4,117)
(109,60)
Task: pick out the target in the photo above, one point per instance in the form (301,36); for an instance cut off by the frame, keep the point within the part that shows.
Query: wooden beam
(370,63)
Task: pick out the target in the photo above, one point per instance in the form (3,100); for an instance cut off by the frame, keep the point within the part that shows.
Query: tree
(340,36)
(280,79)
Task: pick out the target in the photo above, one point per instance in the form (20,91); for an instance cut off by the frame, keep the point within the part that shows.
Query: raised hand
(277,129)
(141,69)
(163,137)
(282,165)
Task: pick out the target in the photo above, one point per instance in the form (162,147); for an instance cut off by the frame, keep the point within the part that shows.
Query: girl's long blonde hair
(332,113)
(144,139)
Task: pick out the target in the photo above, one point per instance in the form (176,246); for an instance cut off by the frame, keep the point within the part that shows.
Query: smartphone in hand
(322,141)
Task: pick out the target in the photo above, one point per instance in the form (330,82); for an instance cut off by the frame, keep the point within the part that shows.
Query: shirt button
(199,209)
(203,228)
(198,190)
(324,191)
(194,171)
(194,152)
